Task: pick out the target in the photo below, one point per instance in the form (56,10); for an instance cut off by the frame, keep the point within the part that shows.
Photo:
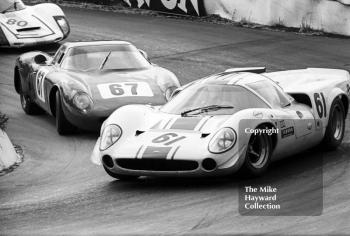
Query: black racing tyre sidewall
(62,124)
(121,177)
(329,142)
(29,107)
(248,169)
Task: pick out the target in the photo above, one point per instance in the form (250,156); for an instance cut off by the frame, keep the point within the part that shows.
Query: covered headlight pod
(82,101)
(63,24)
(222,141)
(110,135)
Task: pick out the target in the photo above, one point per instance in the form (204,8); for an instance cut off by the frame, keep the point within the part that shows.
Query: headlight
(169,92)
(63,24)
(82,101)
(110,135)
(222,141)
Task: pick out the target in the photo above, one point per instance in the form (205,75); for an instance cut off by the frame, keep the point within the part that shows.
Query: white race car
(22,25)
(225,122)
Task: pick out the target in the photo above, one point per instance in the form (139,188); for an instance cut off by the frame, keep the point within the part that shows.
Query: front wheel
(62,124)
(336,126)
(121,177)
(258,155)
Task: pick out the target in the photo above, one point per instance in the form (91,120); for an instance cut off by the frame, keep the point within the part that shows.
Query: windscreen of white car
(230,98)
(11,5)
(104,57)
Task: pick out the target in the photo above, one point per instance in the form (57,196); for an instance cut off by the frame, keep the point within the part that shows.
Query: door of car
(40,77)
(303,119)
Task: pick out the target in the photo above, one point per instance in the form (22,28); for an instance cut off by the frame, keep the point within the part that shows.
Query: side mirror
(144,54)
(40,59)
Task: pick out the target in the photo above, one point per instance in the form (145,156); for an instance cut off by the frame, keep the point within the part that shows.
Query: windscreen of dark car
(215,95)
(11,5)
(104,57)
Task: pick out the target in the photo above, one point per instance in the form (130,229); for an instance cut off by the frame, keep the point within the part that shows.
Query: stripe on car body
(186,123)
(202,123)
(152,152)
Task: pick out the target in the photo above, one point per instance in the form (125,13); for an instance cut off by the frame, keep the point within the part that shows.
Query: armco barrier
(326,15)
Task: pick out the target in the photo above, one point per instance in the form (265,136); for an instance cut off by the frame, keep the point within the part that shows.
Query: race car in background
(225,122)
(84,82)
(22,25)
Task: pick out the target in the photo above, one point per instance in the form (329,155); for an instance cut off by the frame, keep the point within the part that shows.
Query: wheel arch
(345,100)
(52,99)
(17,80)
(274,137)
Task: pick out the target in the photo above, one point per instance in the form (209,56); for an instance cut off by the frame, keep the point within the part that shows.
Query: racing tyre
(336,126)
(28,105)
(121,177)
(62,124)
(258,156)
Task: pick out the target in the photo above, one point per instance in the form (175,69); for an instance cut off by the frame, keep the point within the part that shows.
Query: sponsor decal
(287,132)
(258,114)
(189,7)
(39,83)
(282,124)
(125,89)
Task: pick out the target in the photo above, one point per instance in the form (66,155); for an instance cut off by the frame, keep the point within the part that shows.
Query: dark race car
(84,82)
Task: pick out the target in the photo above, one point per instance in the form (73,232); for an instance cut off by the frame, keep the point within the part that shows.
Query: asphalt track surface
(57,190)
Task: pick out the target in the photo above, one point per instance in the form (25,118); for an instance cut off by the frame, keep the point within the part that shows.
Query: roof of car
(95,43)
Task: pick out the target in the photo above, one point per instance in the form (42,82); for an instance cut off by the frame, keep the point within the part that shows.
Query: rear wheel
(258,155)
(29,106)
(121,177)
(62,124)
(336,126)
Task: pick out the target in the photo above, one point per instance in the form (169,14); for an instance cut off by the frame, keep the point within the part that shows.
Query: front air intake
(157,164)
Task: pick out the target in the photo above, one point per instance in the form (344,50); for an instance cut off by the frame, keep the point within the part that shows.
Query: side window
(270,93)
(60,58)
(59,55)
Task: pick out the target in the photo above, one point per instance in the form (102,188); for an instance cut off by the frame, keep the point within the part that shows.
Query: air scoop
(28,29)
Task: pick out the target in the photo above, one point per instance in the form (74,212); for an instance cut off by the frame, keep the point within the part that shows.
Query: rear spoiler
(257,70)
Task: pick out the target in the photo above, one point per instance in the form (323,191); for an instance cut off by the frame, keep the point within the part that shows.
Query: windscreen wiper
(206,109)
(105,60)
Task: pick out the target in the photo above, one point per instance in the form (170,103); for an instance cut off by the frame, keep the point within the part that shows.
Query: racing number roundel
(320,102)
(125,89)
(39,84)
(20,23)
(168,139)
